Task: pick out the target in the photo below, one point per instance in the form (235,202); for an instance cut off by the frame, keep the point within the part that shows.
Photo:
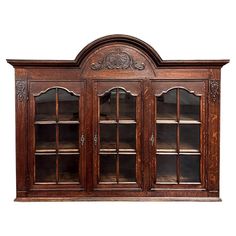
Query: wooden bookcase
(117,123)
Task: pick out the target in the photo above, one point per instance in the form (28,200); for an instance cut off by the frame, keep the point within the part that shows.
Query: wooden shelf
(68,122)
(191,122)
(45,122)
(115,122)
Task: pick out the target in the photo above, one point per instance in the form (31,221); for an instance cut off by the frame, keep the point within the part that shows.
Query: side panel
(214,134)
(22,174)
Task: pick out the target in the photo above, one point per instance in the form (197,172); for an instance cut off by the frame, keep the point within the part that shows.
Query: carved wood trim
(179,87)
(54,87)
(117,60)
(21,90)
(117,87)
(214,90)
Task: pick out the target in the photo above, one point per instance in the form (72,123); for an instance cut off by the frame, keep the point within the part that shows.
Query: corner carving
(21,91)
(214,90)
(117,60)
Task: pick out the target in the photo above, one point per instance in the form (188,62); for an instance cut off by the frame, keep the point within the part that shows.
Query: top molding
(126,40)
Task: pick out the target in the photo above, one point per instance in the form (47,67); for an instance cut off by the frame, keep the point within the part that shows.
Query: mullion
(178,136)
(117,134)
(57,136)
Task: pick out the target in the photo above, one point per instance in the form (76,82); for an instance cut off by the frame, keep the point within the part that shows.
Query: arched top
(123,39)
(179,87)
(136,43)
(117,87)
(55,87)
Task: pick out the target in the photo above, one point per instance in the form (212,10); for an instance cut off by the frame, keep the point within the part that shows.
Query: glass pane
(166,137)
(68,105)
(166,168)
(166,105)
(108,168)
(68,136)
(45,167)
(108,106)
(107,136)
(69,168)
(127,106)
(127,168)
(189,168)
(127,135)
(45,136)
(189,106)
(45,106)
(190,137)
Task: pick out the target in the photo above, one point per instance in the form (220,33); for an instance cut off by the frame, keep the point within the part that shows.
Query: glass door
(117,135)
(57,131)
(179,132)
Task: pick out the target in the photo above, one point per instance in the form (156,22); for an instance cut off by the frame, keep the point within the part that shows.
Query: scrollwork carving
(21,90)
(214,90)
(117,60)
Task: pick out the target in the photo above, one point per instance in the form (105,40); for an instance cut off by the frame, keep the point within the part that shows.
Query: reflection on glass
(108,168)
(45,136)
(166,105)
(68,105)
(127,168)
(189,168)
(45,106)
(45,168)
(127,135)
(108,106)
(190,137)
(68,168)
(68,136)
(189,106)
(166,168)
(127,106)
(166,136)
(107,136)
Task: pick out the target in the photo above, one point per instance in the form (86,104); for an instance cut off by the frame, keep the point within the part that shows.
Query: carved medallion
(214,90)
(118,60)
(21,91)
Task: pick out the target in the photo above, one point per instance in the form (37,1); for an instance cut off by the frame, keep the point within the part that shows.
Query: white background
(59,30)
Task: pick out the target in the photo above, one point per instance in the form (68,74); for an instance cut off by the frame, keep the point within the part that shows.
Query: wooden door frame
(35,89)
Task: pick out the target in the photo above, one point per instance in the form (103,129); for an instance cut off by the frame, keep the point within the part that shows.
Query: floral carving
(21,91)
(214,90)
(117,60)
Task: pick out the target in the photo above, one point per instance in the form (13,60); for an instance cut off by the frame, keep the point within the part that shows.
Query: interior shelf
(176,122)
(117,122)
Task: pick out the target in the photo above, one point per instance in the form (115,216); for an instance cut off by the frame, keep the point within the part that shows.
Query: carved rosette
(118,60)
(214,90)
(21,90)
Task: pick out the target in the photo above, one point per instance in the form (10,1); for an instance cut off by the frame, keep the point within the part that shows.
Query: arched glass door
(57,134)
(118,148)
(178,125)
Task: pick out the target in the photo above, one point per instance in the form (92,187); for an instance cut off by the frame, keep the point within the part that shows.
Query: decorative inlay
(214,90)
(118,60)
(21,91)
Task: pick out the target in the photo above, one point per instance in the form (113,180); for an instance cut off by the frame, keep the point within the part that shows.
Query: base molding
(141,199)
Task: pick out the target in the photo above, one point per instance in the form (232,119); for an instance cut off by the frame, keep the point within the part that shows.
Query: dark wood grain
(127,63)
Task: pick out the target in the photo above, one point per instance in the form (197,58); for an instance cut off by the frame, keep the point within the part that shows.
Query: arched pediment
(120,40)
